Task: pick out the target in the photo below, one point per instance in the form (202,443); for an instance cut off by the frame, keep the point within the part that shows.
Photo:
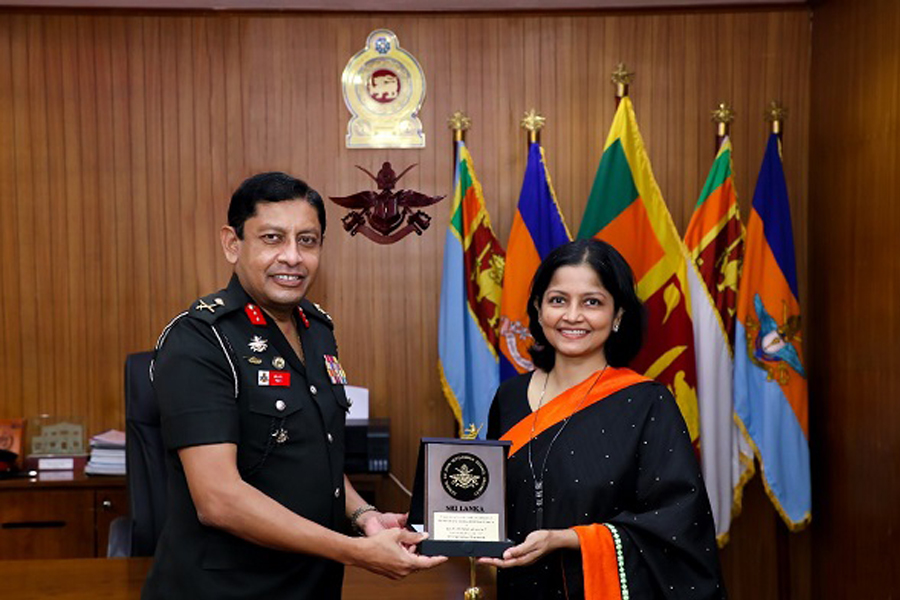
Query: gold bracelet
(354,518)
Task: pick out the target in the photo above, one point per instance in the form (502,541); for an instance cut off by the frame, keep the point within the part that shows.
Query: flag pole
(622,77)
(722,117)
(533,122)
(775,115)
(459,122)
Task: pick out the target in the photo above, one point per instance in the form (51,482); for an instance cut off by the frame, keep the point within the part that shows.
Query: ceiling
(393,5)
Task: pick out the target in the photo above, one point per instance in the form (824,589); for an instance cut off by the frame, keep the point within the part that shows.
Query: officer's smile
(289,280)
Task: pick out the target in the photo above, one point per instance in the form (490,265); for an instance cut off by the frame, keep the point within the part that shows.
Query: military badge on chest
(280,435)
(335,371)
(258,344)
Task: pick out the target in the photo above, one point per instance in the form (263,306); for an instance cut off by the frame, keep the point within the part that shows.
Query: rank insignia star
(258,344)
(210,307)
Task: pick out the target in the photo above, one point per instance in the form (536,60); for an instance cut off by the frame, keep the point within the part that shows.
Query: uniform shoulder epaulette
(211,308)
(317,312)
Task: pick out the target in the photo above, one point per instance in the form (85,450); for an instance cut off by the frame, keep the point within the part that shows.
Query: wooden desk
(59,519)
(121,579)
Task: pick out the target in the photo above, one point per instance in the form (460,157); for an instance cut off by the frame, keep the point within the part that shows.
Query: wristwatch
(354,518)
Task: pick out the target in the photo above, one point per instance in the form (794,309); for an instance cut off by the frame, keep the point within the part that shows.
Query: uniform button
(337,492)
(313,390)
(280,405)
(330,438)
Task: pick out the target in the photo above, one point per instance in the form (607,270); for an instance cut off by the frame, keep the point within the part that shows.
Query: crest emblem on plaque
(464,476)
(384,88)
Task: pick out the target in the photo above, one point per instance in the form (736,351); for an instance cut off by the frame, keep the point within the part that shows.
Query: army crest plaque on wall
(384,88)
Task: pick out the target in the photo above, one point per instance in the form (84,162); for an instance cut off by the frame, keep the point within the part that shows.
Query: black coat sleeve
(195,387)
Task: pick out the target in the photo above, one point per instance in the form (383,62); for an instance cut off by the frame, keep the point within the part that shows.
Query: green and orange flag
(627,210)
(715,244)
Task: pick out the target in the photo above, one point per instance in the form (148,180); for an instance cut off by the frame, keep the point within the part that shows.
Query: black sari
(624,474)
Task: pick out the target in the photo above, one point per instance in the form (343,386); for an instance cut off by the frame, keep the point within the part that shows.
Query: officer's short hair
(270,187)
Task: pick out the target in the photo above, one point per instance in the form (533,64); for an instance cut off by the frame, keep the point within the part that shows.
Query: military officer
(251,394)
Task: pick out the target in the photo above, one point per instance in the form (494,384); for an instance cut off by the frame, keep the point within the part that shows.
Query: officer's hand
(373,522)
(390,553)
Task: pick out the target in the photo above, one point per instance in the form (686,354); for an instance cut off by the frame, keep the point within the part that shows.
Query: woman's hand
(537,544)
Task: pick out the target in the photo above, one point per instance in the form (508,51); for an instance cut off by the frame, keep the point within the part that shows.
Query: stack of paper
(107,454)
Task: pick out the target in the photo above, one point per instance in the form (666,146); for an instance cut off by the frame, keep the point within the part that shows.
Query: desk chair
(145,457)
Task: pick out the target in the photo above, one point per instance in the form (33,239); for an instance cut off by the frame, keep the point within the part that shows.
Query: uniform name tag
(274,378)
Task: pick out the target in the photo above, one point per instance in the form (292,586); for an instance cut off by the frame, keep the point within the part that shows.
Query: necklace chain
(539,481)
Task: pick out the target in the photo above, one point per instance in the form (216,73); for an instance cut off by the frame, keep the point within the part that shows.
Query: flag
(626,209)
(770,395)
(470,302)
(715,244)
(538,227)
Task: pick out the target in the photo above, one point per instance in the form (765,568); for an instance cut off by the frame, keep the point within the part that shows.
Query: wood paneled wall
(854,325)
(122,137)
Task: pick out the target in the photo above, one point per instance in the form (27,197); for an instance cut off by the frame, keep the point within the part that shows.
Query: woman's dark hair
(270,187)
(615,275)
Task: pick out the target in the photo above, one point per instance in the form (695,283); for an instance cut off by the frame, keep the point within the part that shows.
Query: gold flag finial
(622,77)
(776,114)
(471,432)
(533,122)
(722,117)
(473,592)
(459,122)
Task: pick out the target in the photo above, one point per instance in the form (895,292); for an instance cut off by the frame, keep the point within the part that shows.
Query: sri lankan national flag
(715,243)
(626,209)
(470,302)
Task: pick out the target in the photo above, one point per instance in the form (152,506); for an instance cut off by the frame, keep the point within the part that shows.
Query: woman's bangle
(354,518)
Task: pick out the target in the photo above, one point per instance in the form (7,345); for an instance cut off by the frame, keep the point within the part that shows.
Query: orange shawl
(565,405)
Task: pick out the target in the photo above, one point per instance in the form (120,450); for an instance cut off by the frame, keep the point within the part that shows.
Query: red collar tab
(254,314)
(303,317)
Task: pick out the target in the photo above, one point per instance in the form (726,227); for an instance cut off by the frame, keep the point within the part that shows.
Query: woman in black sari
(605,497)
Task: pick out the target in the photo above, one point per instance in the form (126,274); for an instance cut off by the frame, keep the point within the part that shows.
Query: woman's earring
(616,327)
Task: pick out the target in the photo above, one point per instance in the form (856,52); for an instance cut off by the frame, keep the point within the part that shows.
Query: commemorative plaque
(459,497)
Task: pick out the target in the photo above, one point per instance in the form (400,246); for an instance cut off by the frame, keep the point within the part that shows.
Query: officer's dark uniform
(225,373)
